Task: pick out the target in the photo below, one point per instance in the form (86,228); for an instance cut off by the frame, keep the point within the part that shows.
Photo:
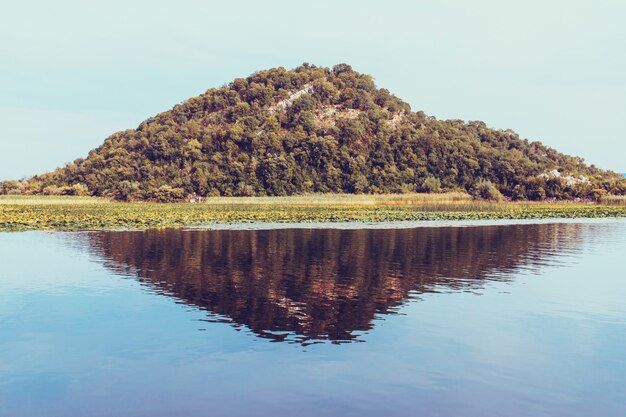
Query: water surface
(517,320)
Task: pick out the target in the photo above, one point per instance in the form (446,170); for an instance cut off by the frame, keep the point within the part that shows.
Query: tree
(313,129)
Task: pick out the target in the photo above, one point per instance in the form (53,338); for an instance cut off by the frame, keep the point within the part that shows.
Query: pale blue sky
(73,72)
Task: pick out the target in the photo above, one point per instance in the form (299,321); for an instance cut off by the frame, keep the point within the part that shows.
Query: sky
(74,72)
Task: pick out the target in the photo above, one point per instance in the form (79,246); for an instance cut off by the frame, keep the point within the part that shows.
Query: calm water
(524,320)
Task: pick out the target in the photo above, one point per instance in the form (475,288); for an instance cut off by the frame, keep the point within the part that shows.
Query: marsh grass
(84,213)
(345,199)
(614,200)
(44,199)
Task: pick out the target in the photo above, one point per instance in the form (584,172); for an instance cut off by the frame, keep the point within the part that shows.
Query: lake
(499,320)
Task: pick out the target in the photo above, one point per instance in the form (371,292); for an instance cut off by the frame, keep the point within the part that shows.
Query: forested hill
(315,129)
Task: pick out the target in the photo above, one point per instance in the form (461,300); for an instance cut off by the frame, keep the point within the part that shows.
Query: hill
(315,130)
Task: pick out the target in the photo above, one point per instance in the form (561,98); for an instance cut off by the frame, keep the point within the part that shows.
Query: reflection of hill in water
(324,284)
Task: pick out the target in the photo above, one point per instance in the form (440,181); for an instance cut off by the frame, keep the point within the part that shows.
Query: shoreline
(403,224)
(94,214)
(316,225)
(355,225)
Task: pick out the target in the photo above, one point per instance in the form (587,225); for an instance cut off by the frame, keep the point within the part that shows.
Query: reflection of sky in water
(77,340)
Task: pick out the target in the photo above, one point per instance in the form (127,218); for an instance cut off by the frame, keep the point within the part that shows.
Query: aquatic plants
(41,213)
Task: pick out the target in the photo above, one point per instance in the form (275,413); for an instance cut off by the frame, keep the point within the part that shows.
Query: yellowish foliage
(41,213)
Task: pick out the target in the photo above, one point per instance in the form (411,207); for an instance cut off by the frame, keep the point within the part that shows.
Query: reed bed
(614,200)
(50,200)
(79,213)
(344,199)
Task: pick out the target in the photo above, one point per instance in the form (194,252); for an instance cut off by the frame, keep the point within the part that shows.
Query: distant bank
(315,130)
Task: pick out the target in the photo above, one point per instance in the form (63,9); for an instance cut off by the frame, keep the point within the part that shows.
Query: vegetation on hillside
(315,130)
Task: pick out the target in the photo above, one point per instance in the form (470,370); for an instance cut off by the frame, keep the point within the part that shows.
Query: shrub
(431,184)
(13,187)
(597,193)
(53,190)
(79,190)
(535,189)
(487,191)
(407,188)
(519,192)
(167,194)
(9,187)
(125,191)
(244,190)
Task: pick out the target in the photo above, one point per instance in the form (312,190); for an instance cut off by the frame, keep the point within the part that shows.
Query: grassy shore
(614,200)
(86,213)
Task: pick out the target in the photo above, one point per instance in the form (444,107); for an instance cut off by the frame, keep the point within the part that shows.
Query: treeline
(314,129)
